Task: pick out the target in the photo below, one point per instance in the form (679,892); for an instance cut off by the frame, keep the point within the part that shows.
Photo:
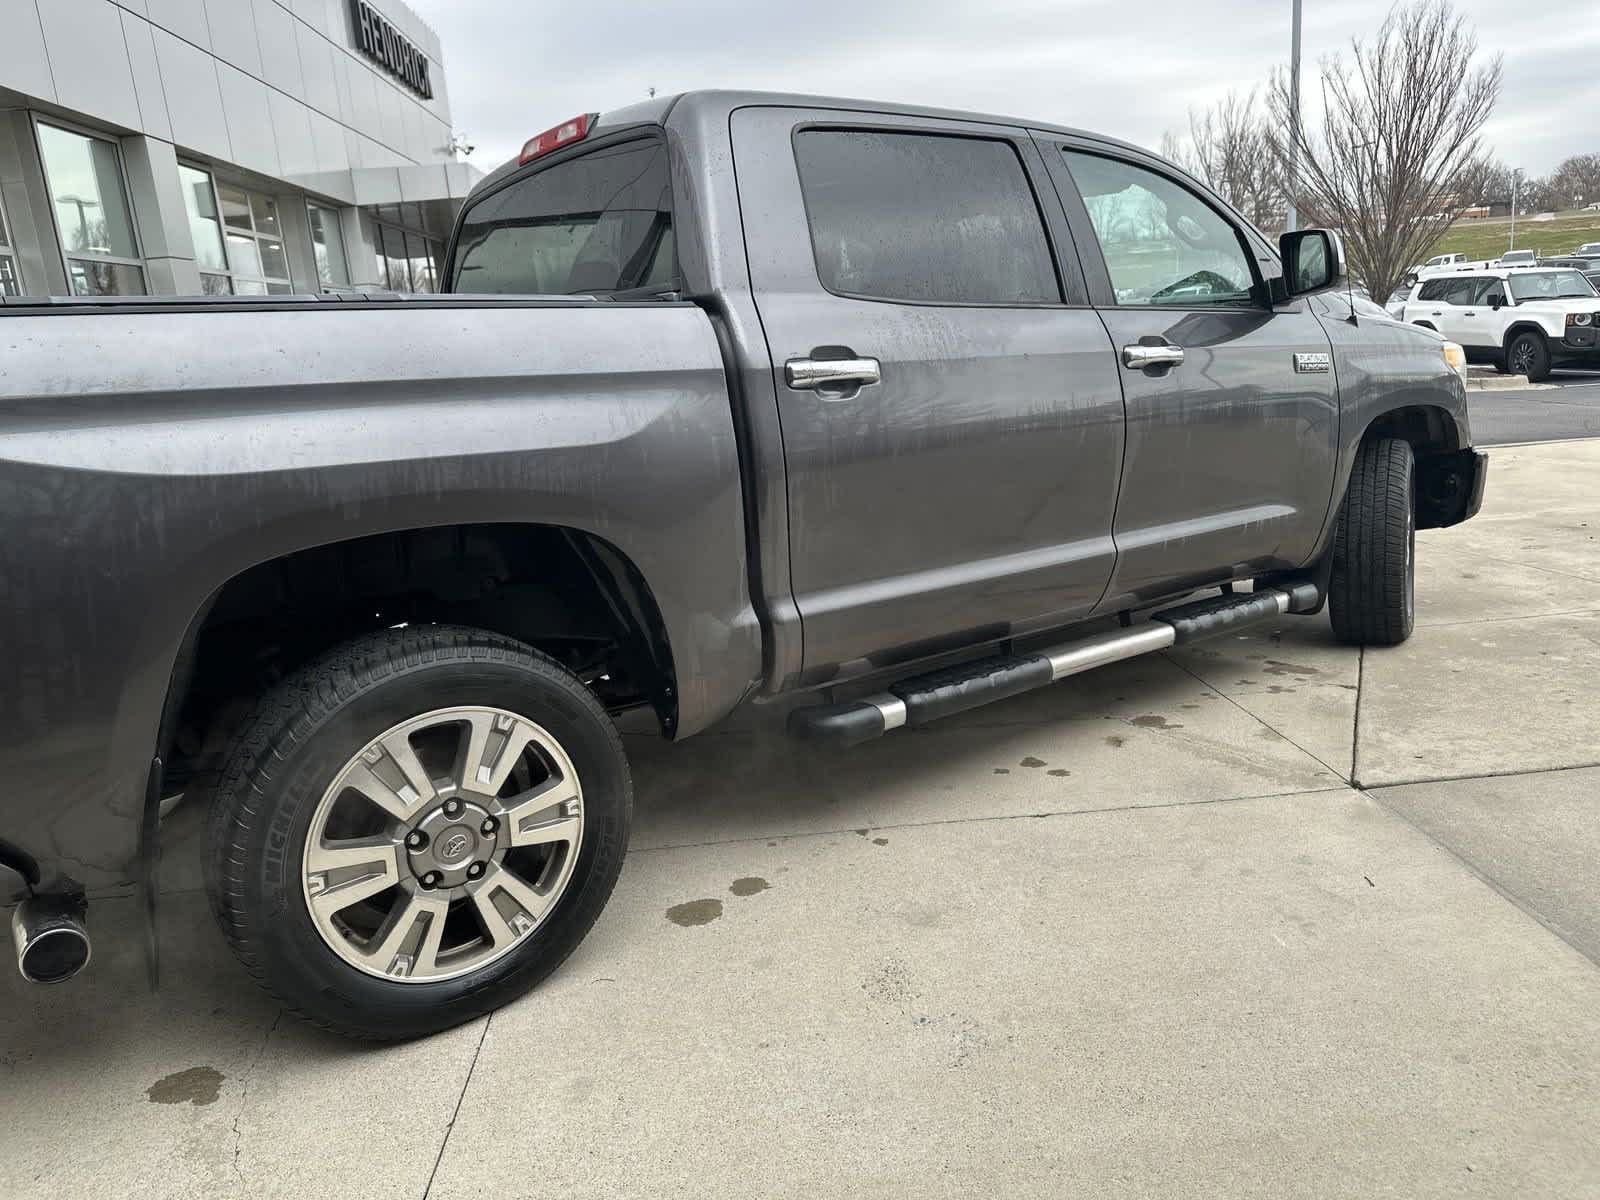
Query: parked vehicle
(1518,258)
(1522,321)
(914,411)
(1438,262)
(1395,305)
(1587,250)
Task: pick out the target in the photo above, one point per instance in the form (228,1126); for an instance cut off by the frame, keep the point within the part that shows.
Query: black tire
(1499,364)
(1529,354)
(1371,595)
(290,750)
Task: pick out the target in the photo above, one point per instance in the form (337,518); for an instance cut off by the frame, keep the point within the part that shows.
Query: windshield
(1549,285)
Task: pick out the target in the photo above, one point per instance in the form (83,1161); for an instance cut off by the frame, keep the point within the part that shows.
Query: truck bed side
(148,456)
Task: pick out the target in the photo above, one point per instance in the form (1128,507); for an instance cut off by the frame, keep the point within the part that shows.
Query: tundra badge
(1313,364)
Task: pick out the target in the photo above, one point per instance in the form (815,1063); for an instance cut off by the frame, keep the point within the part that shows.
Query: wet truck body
(735,396)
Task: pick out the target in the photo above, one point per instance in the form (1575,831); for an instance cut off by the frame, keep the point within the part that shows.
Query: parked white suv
(1522,321)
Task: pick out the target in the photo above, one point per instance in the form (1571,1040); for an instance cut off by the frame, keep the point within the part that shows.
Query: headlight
(1580,318)
(1456,359)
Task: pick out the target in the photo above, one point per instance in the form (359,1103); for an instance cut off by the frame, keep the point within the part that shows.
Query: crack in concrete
(244,1092)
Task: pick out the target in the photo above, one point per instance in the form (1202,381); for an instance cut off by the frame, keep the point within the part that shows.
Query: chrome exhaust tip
(51,937)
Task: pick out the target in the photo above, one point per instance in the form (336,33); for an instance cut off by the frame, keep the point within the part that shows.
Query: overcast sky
(1131,68)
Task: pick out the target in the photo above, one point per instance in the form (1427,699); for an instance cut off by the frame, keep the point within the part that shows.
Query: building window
(93,218)
(254,235)
(413,256)
(327,243)
(205,228)
(10,280)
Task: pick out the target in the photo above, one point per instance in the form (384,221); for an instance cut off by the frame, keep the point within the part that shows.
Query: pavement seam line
(1494,885)
(1262,721)
(456,1112)
(1030,816)
(1568,612)
(1378,785)
(1355,720)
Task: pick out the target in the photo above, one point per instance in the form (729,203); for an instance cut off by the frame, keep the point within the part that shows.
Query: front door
(1233,413)
(951,415)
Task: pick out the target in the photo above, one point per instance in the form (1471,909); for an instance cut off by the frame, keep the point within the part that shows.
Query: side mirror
(1312,260)
(1497,302)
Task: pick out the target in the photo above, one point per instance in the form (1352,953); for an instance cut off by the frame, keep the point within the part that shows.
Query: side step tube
(925,698)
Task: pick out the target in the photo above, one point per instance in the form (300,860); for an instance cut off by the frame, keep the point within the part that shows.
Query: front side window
(327,244)
(1162,244)
(93,217)
(1549,285)
(600,223)
(923,217)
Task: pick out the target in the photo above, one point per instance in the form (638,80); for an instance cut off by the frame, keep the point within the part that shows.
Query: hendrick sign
(391,49)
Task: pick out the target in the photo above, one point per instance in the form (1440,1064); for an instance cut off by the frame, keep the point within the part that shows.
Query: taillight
(560,135)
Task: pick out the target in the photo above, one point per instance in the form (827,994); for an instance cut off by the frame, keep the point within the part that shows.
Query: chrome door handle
(1138,357)
(813,373)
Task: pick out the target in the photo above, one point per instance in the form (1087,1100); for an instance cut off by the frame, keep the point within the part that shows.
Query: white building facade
(244,147)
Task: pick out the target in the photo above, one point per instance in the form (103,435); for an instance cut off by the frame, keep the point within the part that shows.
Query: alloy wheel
(442,844)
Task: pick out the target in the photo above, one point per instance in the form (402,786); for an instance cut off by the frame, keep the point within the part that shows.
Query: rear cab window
(926,218)
(597,224)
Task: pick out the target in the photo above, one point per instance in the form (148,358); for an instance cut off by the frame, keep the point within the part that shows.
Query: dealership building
(244,147)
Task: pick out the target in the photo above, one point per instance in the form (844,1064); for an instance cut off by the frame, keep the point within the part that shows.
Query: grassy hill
(1486,237)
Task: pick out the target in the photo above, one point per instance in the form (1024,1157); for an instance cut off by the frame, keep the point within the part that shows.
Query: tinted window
(1162,244)
(1460,291)
(912,216)
(1433,290)
(599,223)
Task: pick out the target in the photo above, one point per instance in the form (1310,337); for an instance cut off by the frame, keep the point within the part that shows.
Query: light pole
(1292,218)
(1516,175)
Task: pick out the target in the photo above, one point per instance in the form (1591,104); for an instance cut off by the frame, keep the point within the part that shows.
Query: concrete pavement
(1134,935)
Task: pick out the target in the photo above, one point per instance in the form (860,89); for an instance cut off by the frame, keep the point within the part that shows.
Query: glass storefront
(93,219)
(327,244)
(412,251)
(10,280)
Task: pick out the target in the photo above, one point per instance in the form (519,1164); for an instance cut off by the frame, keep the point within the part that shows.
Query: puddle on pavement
(748,886)
(198,1086)
(695,912)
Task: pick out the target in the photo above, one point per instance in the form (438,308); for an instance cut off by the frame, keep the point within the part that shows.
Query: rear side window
(1461,291)
(923,217)
(601,223)
(1432,290)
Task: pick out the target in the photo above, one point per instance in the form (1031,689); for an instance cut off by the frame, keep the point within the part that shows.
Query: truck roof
(717,102)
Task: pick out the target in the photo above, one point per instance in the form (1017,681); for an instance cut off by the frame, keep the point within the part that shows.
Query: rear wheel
(1372,591)
(416,829)
(1529,354)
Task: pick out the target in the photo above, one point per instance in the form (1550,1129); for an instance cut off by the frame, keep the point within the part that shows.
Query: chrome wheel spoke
(501,928)
(492,745)
(339,874)
(399,946)
(548,813)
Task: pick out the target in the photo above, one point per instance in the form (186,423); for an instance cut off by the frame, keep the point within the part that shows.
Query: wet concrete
(1132,935)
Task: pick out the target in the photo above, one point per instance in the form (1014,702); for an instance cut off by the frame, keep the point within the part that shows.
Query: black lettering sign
(390,49)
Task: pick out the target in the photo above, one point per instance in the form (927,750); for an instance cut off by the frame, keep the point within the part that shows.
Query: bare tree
(1230,148)
(1576,180)
(1393,158)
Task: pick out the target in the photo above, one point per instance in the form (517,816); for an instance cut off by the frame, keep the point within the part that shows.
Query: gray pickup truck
(735,397)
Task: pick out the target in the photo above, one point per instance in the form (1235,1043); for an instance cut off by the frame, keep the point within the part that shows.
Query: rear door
(954,483)
(1455,307)
(1475,316)
(1233,413)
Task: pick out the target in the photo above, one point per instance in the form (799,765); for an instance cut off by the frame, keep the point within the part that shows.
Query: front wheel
(1372,590)
(417,828)
(1529,355)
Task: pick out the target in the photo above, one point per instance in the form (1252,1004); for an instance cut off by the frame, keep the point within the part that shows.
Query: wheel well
(1442,487)
(571,595)
(1522,327)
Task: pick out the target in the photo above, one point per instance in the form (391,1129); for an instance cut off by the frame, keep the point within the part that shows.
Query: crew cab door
(1232,404)
(951,416)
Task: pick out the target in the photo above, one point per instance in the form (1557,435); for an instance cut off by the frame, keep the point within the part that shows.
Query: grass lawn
(1486,237)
